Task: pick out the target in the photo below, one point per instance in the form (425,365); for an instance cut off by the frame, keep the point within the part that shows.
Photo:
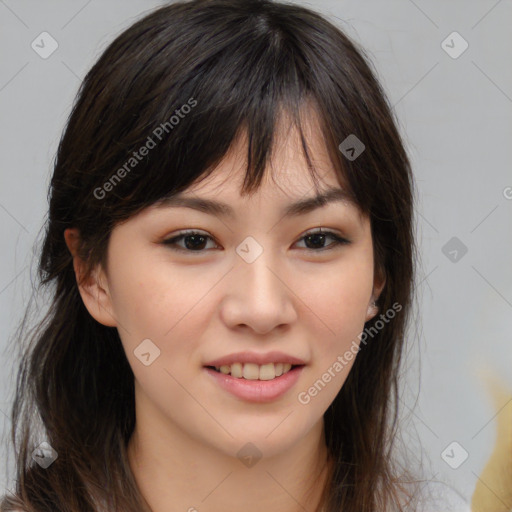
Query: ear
(378,285)
(94,288)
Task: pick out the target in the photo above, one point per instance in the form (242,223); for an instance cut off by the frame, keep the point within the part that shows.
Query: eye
(195,241)
(319,236)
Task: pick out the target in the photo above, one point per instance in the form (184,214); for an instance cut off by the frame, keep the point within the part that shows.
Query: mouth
(254,383)
(251,371)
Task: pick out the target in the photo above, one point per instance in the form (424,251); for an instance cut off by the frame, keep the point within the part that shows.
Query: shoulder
(8,504)
(440,496)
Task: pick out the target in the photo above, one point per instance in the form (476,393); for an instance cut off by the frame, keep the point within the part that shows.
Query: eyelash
(338,240)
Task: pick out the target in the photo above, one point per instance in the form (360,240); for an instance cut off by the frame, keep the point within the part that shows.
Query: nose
(259,296)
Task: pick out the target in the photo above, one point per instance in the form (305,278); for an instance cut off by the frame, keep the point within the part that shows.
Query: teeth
(251,371)
(236,370)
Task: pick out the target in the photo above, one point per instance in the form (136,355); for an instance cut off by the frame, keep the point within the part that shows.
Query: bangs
(194,87)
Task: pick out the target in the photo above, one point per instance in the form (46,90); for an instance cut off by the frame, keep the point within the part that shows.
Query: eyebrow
(295,209)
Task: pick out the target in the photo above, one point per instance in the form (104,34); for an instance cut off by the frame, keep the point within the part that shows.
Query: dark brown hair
(237,64)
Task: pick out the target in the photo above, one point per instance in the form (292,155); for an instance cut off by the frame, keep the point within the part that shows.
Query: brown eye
(317,238)
(194,241)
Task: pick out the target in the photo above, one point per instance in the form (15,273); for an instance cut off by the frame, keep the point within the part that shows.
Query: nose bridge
(257,294)
(258,269)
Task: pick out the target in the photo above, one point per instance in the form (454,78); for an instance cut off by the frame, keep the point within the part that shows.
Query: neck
(170,467)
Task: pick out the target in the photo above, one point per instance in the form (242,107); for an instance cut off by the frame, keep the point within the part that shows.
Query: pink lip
(257,390)
(256,358)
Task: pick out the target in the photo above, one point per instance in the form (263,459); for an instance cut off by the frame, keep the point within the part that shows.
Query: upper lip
(256,358)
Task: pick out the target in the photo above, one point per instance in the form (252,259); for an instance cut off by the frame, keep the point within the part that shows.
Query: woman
(230,255)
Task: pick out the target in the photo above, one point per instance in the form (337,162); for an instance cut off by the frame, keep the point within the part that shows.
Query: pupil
(199,240)
(314,237)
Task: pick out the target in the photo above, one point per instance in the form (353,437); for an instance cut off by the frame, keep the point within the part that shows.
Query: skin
(199,306)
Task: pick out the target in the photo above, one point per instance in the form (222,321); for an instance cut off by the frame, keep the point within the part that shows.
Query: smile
(252,388)
(252,371)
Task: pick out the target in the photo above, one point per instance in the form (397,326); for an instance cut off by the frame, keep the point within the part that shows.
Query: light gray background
(455,116)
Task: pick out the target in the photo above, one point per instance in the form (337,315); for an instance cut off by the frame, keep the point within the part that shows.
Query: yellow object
(493,491)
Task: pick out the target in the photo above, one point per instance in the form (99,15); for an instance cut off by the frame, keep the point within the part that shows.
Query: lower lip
(257,390)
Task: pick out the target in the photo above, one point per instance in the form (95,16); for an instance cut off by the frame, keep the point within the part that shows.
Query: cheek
(143,298)
(339,298)
(160,302)
(340,308)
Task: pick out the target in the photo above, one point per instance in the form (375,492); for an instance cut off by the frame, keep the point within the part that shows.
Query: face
(256,281)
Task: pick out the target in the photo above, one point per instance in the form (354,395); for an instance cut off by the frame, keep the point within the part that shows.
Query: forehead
(286,178)
(220,195)
(287,188)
